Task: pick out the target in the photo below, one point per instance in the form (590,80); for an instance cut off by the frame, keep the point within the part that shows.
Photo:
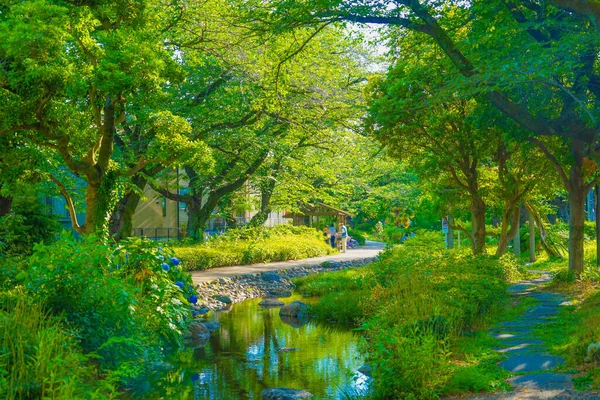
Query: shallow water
(251,351)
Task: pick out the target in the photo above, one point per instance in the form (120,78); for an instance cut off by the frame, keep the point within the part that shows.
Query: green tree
(534,62)
(72,72)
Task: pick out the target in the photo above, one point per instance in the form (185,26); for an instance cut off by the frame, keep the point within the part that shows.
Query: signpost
(445,229)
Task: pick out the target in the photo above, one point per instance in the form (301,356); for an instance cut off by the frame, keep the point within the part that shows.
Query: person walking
(332,233)
(344,232)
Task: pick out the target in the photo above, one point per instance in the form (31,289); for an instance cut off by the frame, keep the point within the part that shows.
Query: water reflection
(254,349)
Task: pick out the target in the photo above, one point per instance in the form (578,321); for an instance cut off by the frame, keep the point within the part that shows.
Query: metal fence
(216,226)
(162,234)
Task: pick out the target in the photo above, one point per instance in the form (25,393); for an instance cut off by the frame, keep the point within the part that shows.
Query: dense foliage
(28,223)
(416,305)
(250,245)
(124,308)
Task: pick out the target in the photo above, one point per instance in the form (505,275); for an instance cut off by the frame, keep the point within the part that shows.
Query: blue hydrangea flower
(193,299)
(180,284)
(165,266)
(175,261)
(195,377)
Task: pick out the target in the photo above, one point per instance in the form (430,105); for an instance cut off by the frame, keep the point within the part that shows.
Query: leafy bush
(422,294)
(349,288)
(366,226)
(426,241)
(25,226)
(127,305)
(359,236)
(254,245)
(415,303)
(512,270)
(392,234)
(198,257)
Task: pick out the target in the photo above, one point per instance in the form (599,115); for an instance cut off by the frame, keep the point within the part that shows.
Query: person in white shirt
(344,232)
(332,232)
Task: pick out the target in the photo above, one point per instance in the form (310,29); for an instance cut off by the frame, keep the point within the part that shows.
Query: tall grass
(417,306)
(39,359)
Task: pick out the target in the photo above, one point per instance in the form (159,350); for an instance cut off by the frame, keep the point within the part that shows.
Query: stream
(254,350)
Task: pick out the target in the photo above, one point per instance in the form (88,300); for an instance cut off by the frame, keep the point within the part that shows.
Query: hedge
(254,245)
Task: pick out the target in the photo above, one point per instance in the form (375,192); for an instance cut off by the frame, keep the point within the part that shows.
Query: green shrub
(39,358)
(121,302)
(392,234)
(429,298)
(25,226)
(280,243)
(359,236)
(198,257)
(512,269)
(415,303)
(426,241)
(366,226)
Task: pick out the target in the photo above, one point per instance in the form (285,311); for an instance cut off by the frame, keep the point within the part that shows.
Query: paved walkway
(527,354)
(371,249)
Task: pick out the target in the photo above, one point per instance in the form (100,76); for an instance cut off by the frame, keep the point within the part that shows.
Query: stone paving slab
(520,342)
(545,296)
(511,335)
(523,331)
(520,348)
(516,324)
(539,310)
(544,381)
(528,362)
(519,287)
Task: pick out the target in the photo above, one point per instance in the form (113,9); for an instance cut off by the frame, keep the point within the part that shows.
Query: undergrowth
(83,319)
(424,311)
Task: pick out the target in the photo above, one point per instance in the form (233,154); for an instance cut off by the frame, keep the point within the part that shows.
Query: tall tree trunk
(576,223)
(199,214)
(597,216)
(506,235)
(266,193)
(196,219)
(531,222)
(577,195)
(539,222)
(517,235)
(92,212)
(121,219)
(262,215)
(5,205)
(121,223)
(478,224)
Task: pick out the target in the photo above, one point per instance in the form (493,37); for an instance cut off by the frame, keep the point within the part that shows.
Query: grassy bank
(424,312)
(254,245)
